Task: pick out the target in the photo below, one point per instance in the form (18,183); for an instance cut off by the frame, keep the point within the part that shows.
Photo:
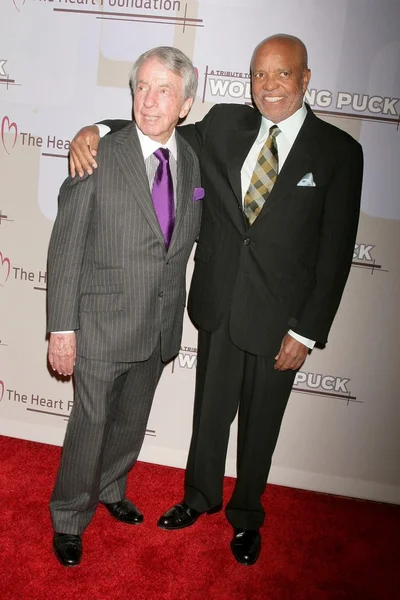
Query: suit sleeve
(115,124)
(196,133)
(66,252)
(336,246)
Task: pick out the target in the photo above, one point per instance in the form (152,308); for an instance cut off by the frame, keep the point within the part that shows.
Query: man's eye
(285,73)
(258,75)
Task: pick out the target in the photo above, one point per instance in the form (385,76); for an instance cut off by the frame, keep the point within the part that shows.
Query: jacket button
(246,241)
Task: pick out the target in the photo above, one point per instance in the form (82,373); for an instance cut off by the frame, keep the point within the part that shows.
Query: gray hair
(175,61)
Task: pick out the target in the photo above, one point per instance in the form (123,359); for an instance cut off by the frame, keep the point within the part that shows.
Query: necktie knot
(274,131)
(162,154)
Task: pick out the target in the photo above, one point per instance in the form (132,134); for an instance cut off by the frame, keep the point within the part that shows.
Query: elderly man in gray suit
(116,292)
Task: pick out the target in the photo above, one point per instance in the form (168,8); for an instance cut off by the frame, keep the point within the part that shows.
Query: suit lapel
(299,162)
(239,142)
(130,159)
(184,189)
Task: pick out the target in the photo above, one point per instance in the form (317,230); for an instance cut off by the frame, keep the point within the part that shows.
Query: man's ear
(187,105)
(306,79)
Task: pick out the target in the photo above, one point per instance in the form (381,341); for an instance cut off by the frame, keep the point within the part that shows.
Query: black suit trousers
(229,380)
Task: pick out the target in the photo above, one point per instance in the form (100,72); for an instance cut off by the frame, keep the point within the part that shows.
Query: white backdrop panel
(64,63)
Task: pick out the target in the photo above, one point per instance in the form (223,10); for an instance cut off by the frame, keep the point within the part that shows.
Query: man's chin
(149,130)
(272,112)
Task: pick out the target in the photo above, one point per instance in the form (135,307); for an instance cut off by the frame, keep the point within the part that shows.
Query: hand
(62,352)
(82,150)
(291,355)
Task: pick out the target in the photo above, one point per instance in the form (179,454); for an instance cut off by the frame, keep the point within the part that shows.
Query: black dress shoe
(181,515)
(68,548)
(246,545)
(125,511)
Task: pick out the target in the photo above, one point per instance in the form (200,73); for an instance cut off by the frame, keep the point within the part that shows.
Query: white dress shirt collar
(149,146)
(290,127)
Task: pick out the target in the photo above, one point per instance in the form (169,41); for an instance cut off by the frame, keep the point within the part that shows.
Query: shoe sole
(127,522)
(175,528)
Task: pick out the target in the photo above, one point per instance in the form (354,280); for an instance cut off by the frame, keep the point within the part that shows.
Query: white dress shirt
(289,129)
(148,147)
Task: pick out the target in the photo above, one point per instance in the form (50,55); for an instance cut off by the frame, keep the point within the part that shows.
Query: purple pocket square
(198,194)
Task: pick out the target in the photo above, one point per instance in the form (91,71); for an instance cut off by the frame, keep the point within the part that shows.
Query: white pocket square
(307,180)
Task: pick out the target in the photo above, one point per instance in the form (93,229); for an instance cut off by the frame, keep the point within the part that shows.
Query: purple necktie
(163,195)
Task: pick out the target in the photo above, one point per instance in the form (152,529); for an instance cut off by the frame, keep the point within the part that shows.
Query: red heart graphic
(18,4)
(5,262)
(11,127)
(1,390)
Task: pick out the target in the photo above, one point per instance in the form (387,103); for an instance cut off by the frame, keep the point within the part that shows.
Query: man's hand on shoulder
(82,151)
(62,352)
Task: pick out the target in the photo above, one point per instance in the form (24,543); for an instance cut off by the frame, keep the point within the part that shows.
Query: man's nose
(270,83)
(150,99)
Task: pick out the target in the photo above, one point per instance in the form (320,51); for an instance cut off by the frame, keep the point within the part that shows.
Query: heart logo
(1,390)
(8,127)
(5,264)
(18,4)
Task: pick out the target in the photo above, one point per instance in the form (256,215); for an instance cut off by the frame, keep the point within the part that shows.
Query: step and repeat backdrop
(66,63)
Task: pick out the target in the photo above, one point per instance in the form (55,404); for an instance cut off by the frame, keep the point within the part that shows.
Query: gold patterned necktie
(263,178)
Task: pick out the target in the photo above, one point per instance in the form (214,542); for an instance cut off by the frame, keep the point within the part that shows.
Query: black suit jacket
(288,270)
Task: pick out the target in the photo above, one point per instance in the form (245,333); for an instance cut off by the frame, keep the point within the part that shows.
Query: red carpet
(315,546)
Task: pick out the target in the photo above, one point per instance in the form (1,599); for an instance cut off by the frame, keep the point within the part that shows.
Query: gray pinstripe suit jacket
(109,274)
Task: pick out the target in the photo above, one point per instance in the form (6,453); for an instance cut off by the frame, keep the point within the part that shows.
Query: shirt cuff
(309,343)
(103,129)
(63,331)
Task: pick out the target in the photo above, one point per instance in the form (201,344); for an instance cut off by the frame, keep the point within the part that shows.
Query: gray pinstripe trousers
(104,436)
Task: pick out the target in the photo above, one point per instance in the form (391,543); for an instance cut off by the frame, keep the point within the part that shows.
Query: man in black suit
(280,216)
